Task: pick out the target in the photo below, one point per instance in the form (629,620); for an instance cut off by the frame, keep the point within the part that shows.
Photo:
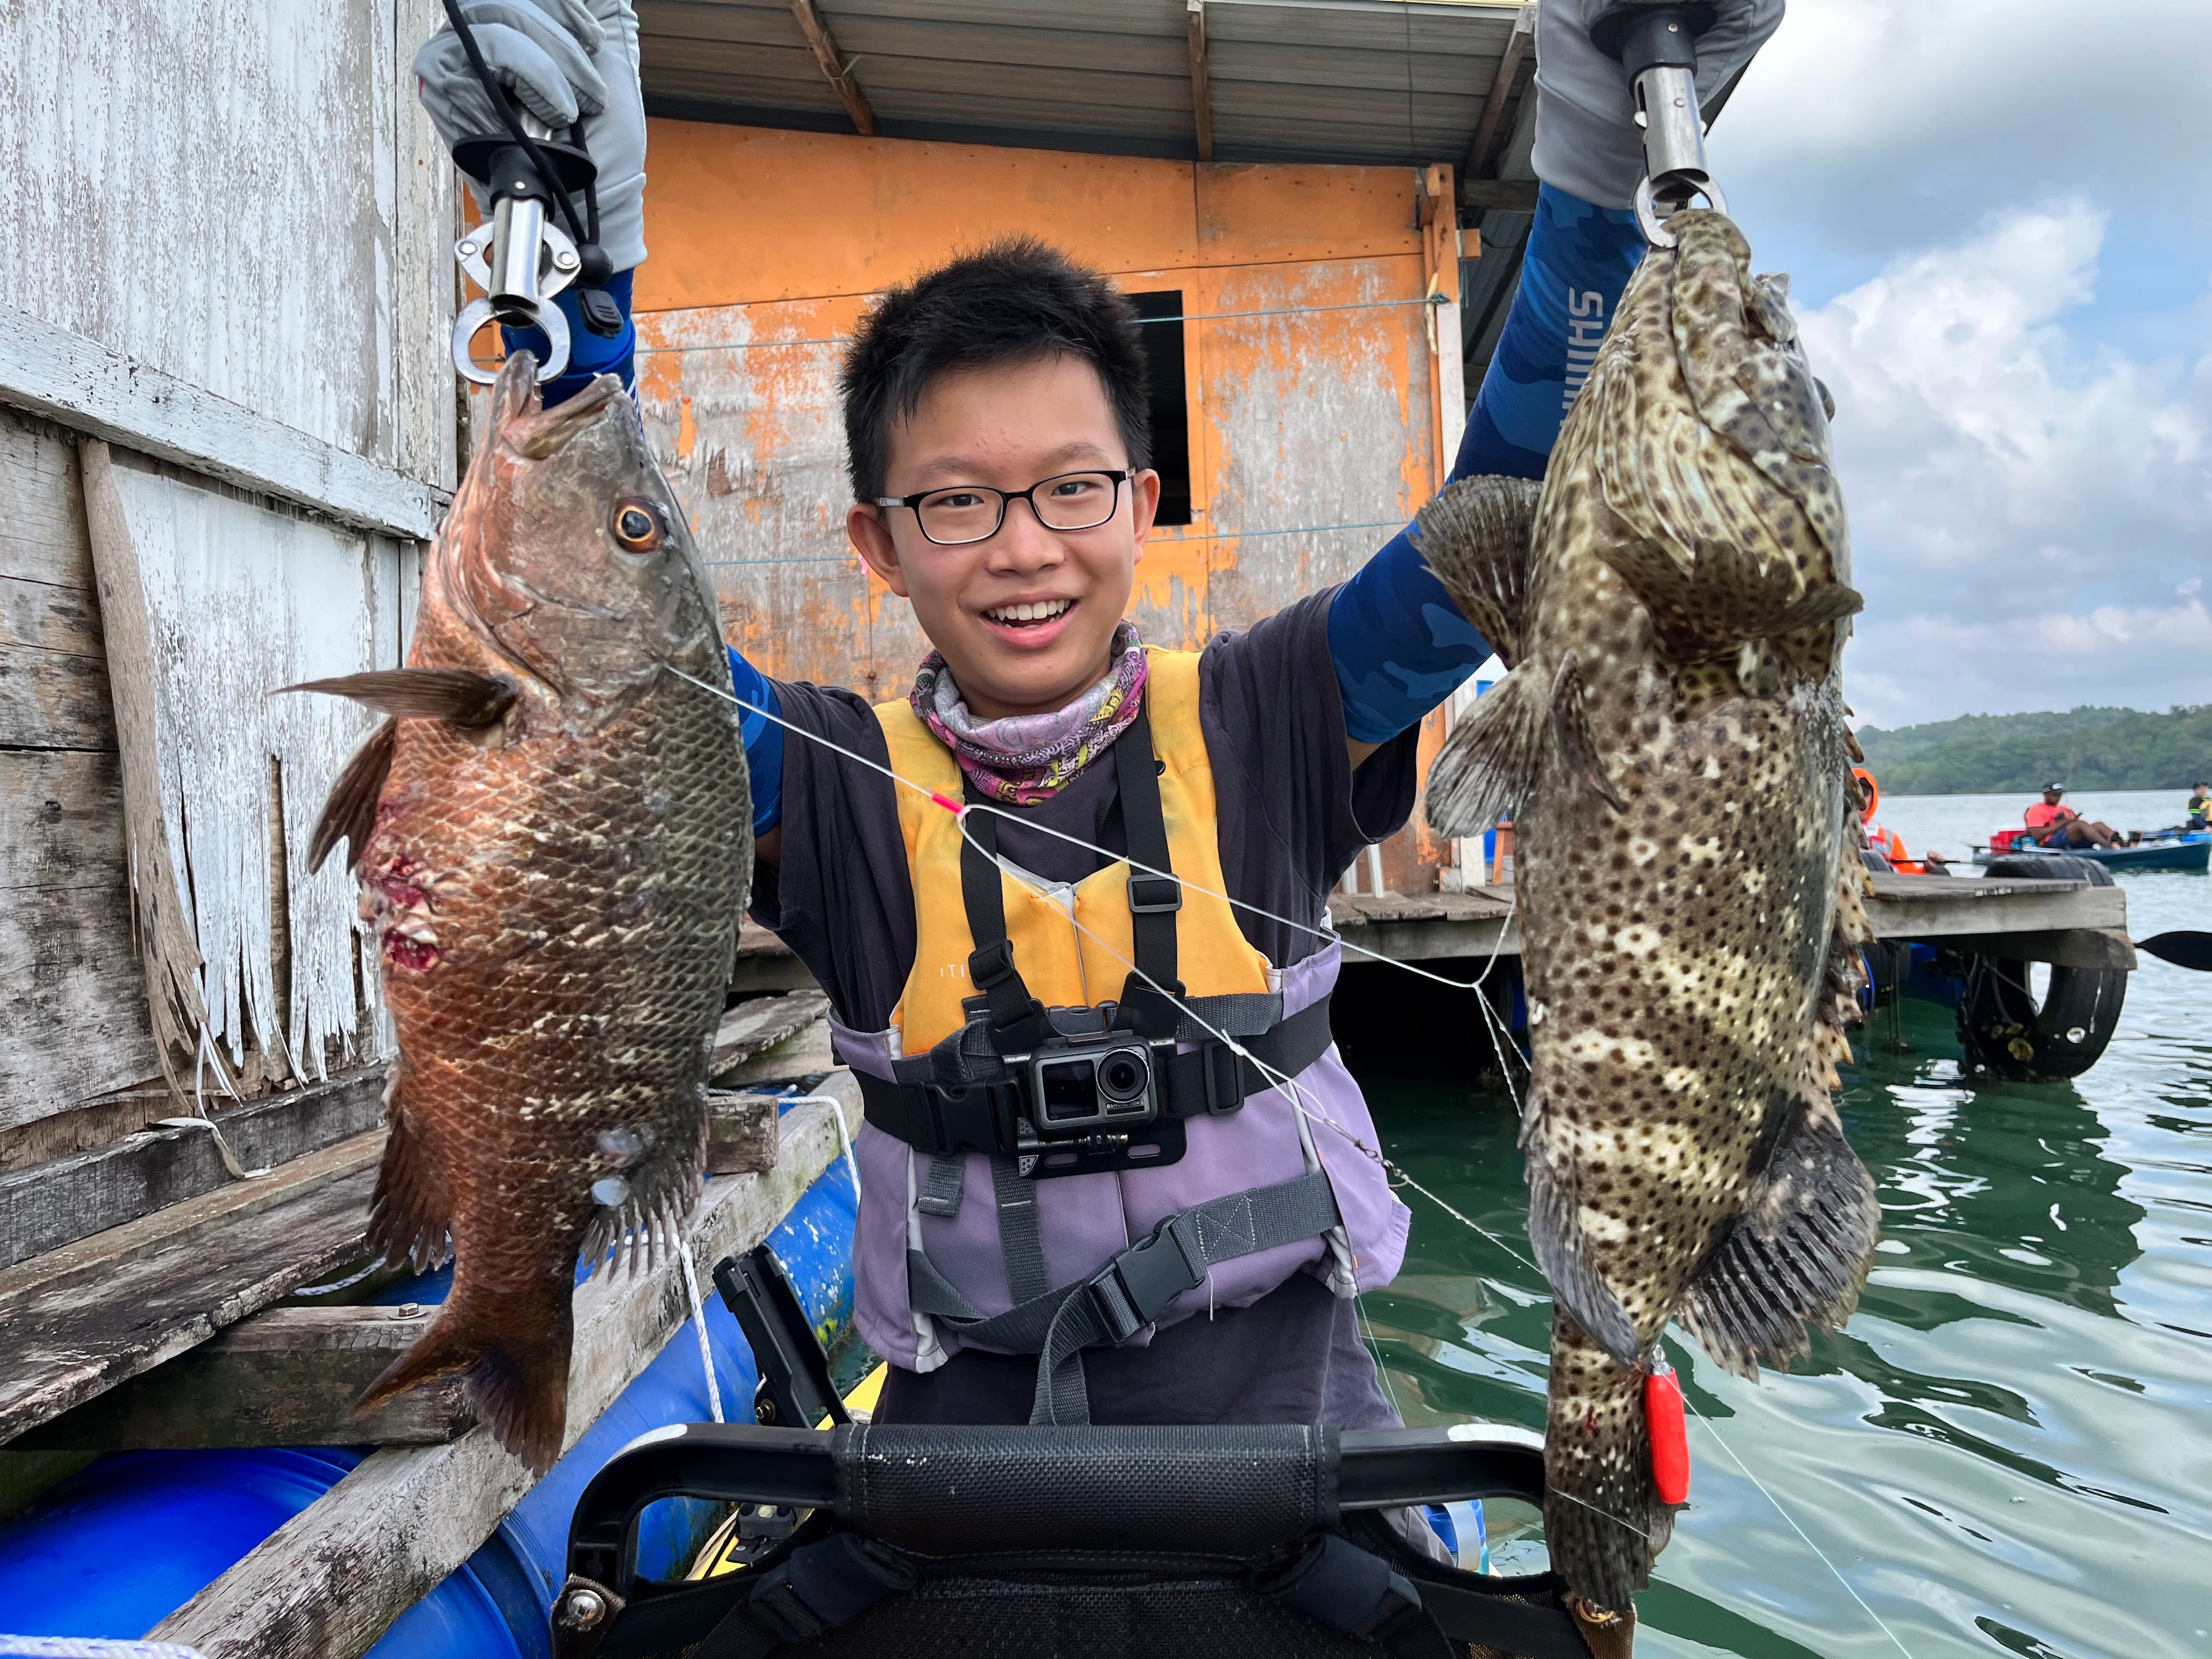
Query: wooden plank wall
(73,1020)
(247,198)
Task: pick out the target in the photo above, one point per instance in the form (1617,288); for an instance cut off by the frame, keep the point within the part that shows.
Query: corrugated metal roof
(1381,82)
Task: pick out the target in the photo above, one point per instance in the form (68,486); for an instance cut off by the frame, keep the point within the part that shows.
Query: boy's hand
(561,61)
(1587,143)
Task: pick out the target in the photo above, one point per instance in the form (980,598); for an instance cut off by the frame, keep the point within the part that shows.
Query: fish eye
(640,525)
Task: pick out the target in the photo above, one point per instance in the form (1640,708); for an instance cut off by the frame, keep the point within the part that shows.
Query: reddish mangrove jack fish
(554,837)
(1673,606)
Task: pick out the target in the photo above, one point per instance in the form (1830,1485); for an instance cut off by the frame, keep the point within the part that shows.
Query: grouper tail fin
(514,1351)
(1604,1522)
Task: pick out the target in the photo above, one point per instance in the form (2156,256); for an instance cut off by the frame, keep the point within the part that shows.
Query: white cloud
(2024,512)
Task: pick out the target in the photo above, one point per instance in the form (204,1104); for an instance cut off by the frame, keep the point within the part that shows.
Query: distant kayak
(2192,854)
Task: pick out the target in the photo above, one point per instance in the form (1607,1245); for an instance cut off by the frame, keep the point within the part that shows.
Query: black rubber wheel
(1999,1026)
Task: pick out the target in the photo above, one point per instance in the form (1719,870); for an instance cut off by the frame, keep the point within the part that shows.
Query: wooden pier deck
(2072,924)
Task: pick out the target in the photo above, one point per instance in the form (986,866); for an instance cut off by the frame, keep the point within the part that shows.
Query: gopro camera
(1077,1091)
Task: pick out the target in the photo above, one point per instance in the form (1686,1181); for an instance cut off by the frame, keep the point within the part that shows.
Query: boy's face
(1008,428)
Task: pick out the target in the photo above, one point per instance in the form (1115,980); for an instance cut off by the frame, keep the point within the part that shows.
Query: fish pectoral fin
(1797,1251)
(1489,762)
(459,695)
(349,814)
(1726,600)
(412,1216)
(1475,536)
(1570,731)
(1557,1235)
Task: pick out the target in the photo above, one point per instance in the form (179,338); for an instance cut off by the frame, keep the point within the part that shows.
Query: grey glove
(561,61)
(1587,143)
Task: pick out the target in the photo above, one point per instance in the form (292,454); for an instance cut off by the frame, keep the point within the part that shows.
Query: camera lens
(1121,1077)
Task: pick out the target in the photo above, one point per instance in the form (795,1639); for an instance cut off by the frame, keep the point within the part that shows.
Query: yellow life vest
(1076,953)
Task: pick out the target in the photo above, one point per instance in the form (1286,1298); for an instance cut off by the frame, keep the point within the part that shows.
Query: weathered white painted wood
(209,187)
(238,600)
(79,1320)
(327,1584)
(83,384)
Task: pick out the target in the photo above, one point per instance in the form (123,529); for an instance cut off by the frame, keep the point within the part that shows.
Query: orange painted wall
(1309,371)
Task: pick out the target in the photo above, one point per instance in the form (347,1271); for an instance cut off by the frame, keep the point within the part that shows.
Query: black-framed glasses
(958,515)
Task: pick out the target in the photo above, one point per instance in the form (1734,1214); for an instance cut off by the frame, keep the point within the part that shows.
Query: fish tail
(1604,1523)
(514,1351)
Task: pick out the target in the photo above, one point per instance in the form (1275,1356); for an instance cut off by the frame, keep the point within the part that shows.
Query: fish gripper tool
(520,256)
(1656,43)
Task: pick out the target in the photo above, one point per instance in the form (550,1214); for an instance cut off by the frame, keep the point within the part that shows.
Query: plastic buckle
(1153,896)
(991,965)
(1136,1287)
(776,1607)
(1224,1074)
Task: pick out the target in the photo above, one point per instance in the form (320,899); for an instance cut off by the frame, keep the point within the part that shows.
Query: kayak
(2192,854)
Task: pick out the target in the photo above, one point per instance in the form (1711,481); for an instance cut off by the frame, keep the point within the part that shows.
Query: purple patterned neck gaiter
(1024,759)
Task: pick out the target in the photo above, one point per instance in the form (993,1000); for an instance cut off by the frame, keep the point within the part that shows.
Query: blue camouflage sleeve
(589,356)
(1398,642)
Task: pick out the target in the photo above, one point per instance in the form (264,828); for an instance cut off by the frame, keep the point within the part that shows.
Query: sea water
(2009,1450)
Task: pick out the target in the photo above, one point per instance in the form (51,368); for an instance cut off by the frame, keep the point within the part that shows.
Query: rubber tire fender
(2001,1028)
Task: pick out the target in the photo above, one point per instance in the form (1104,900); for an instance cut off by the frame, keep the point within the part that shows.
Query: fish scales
(1672,605)
(554,837)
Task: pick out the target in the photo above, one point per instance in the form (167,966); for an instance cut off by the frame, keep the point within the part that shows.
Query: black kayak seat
(933,1542)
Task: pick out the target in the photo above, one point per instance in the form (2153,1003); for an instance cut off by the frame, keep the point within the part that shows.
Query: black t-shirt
(1294,814)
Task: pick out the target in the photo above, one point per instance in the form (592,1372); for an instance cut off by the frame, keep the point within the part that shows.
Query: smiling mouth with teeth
(1017,615)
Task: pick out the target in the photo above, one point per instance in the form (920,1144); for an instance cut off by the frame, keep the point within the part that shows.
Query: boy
(1113,1167)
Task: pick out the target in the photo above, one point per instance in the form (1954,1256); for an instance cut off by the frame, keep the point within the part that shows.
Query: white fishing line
(1850,1589)
(699,1324)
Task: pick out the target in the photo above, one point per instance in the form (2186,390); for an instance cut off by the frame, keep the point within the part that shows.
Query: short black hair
(1013,301)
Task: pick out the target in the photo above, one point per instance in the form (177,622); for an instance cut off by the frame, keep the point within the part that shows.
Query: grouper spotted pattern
(554,837)
(1671,743)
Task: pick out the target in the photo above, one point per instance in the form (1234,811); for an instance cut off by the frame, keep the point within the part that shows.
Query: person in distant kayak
(1083,1199)
(2200,806)
(1888,842)
(2051,824)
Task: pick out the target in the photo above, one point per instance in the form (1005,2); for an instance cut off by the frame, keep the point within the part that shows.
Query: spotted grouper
(553,834)
(1671,740)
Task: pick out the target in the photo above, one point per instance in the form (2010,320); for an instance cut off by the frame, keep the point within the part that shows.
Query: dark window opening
(1170,407)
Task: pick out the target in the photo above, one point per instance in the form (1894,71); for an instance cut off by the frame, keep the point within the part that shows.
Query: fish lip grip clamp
(1656,43)
(519,256)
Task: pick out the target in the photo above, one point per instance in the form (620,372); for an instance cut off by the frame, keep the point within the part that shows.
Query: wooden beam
(76,1322)
(53,1204)
(1944,907)
(742,1133)
(1202,84)
(839,71)
(2062,947)
(1512,195)
(327,1584)
(762,1023)
(82,384)
(1478,164)
(288,1376)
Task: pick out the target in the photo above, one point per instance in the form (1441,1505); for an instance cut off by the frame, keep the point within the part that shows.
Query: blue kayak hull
(2193,855)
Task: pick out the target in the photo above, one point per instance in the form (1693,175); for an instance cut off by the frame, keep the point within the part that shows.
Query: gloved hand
(560,60)
(1587,143)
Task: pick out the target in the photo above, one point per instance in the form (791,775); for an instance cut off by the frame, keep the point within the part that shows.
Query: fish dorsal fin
(349,814)
(1797,1250)
(1475,536)
(459,695)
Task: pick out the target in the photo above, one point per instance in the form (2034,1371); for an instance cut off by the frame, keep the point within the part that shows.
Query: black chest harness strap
(944,1119)
(1130,1292)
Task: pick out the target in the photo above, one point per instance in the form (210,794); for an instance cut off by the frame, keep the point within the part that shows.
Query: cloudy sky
(1997,216)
